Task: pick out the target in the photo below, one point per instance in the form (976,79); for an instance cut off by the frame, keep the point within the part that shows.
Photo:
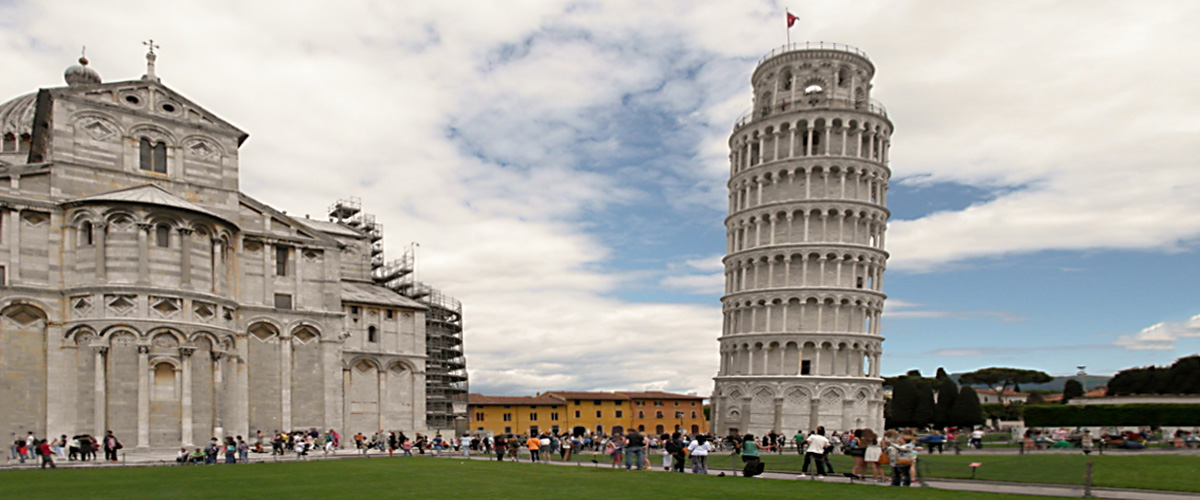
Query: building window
(479,416)
(693,403)
(693,414)
(577,413)
(576,402)
(533,417)
(3,276)
(640,403)
(508,430)
(658,403)
(554,417)
(508,417)
(391,314)
(597,403)
(677,403)
(372,334)
(281,260)
(597,413)
(283,301)
(162,236)
(618,403)
(658,414)
(10,143)
(87,236)
(152,157)
(533,430)
(805,367)
(641,428)
(641,414)
(618,413)
(554,429)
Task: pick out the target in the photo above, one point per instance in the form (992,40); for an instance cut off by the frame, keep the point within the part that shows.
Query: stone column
(143,404)
(778,422)
(99,239)
(346,398)
(100,406)
(382,396)
(814,411)
(185,400)
(219,393)
(144,253)
(268,251)
(14,246)
(185,257)
(285,380)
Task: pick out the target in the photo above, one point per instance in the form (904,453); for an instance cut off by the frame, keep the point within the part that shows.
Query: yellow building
(596,412)
(515,414)
(662,412)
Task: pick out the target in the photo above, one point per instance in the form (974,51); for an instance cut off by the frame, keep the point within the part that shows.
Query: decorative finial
(150,58)
(83,56)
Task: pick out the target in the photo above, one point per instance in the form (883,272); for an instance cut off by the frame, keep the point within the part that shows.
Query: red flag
(791,19)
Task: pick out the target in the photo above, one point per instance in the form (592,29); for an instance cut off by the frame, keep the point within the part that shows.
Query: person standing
(1086,442)
(111,445)
(243,449)
(798,441)
(500,446)
(535,445)
(635,445)
(873,453)
(699,449)
(901,454)
(815,451)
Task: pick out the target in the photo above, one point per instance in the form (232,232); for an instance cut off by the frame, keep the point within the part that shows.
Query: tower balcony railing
(870,106)
(841,47)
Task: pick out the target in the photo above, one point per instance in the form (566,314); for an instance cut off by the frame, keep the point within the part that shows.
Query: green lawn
(1151,472)
(425,478)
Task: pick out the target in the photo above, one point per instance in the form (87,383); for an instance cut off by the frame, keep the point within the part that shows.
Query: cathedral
(143,292)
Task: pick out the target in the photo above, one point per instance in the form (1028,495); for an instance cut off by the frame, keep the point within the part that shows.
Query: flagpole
(787,13)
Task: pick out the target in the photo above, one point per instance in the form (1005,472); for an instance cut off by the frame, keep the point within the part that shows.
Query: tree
(1035,398)
(947,394)
(1182,377)
(904,401)
(1071,390)
(941,374)
(1001,379)
(967,411)
(922,415)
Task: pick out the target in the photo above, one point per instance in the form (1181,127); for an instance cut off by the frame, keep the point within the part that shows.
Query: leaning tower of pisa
(805,257)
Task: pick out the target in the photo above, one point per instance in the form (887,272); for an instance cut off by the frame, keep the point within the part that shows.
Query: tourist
(243,449)
(699,449)
(535,445)
(438,444)
(750,457)
(197,456)
(815,451)
(612,450)
(976,440)
(500,446)
(855,448)
(17,449)
(230,449)
(872,453)
(111,445)
(392,445)
(182,457)
(798,441)
(1087,443)
(300,448)
(635,446)
(43,449)
(675,446)
(900,452)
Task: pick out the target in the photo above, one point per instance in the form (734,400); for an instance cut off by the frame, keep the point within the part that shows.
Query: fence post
(920,470)
(1087,481)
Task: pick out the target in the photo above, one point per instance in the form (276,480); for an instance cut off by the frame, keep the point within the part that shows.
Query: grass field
(426,478)
(1151,472)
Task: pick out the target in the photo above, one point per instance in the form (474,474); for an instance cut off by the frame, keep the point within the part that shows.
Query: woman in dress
(872,453)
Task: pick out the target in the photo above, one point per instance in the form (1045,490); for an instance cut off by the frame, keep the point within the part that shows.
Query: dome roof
(80,74)
(16,116)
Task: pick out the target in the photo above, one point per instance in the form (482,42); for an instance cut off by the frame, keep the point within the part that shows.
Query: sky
(562,164)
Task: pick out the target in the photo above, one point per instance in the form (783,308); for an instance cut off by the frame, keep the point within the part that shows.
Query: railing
(872,106)
(841,47)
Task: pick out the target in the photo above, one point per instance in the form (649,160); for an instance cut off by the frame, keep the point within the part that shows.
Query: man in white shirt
(815,451)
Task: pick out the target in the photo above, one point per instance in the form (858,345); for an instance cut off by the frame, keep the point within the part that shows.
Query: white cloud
(1161,336)
(900,309)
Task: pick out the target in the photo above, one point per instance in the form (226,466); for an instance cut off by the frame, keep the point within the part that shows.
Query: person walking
(856,449)
(535,445)
(47,454)
(872,454)
(500,446)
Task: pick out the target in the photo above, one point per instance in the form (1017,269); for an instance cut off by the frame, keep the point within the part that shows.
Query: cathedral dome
(16,115)
(80,74)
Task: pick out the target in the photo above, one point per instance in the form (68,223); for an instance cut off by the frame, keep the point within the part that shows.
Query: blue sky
(563,163)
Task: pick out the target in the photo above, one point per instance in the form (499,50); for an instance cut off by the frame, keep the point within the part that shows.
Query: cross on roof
(150,44)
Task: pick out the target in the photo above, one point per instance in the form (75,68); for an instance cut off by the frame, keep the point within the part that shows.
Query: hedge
(1112,415)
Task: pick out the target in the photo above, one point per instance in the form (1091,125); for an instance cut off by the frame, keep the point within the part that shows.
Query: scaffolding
(446,384)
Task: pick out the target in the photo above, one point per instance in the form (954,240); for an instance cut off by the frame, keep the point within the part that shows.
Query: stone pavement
(167,458)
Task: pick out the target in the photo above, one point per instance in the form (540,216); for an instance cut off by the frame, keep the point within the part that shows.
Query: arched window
(152,157)
(26,140)
(87,234)
(372,334)
(10,143)
(162,236)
